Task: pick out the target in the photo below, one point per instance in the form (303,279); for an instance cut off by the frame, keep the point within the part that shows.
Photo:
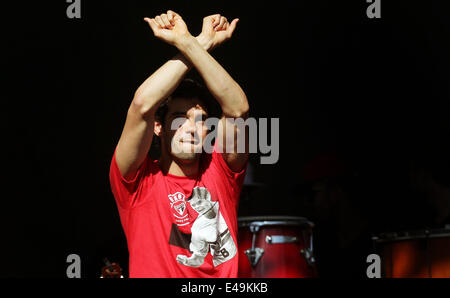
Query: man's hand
(169,27)
(216,30)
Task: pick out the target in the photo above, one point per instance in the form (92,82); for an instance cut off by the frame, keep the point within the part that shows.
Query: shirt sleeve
(126,191)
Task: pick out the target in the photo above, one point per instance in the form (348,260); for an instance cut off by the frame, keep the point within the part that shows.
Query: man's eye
(201,118)
(178,122)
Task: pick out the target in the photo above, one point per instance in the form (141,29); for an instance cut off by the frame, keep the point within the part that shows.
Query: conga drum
(415,254)
(275,246)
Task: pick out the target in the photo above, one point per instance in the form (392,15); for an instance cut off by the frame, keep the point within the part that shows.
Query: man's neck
(176,167)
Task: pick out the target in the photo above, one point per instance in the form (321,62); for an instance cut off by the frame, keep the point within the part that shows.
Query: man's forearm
(228,93)
(164,81)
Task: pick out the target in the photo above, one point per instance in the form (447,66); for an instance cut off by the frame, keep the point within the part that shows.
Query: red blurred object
(275,247)
(415,254)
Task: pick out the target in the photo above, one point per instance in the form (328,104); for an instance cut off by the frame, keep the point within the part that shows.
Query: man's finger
(159,21)
(216,20)
(170,16)
(149,22)
(166,21)
(152,23)
(174,15)
(221,23)
(232,26)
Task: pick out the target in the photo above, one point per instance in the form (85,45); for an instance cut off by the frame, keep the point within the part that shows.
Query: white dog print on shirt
(209,232)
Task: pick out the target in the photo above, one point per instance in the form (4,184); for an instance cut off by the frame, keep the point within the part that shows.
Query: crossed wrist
(206,43)
(184,42)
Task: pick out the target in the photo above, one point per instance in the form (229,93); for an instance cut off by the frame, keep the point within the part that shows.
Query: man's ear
(157,129)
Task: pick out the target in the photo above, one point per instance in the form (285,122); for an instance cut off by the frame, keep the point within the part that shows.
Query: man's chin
(187,156)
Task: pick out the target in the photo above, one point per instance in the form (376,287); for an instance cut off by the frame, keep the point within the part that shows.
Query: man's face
(184,130)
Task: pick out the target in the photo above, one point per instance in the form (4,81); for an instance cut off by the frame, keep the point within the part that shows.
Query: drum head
(247,221)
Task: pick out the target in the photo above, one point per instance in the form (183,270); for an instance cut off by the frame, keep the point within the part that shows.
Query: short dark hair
(188,88)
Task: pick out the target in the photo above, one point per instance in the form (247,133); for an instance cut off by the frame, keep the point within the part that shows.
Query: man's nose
(191,126)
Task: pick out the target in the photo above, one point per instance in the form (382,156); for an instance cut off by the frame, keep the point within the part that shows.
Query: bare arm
(223,87)
(137,134)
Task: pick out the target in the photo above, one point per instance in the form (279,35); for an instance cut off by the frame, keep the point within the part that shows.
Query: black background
(373,93)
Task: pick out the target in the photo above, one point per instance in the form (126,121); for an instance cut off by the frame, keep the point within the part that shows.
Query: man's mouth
(190,141)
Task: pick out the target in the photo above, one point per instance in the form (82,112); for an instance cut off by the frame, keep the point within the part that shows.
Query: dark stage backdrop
(363,107)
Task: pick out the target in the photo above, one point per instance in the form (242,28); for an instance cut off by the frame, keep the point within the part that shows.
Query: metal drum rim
(411,235)
(247,221)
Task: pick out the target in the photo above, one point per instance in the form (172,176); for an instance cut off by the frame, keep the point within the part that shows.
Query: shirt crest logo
(178,204)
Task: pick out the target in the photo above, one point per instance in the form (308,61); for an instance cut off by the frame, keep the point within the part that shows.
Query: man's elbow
(141,106)
(239,109)
(243,111)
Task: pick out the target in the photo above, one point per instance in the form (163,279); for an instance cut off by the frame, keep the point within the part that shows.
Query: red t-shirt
(180,226)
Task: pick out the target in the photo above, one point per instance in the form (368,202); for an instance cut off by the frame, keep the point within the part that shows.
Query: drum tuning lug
(276,239)
(308,255)
(254,254)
